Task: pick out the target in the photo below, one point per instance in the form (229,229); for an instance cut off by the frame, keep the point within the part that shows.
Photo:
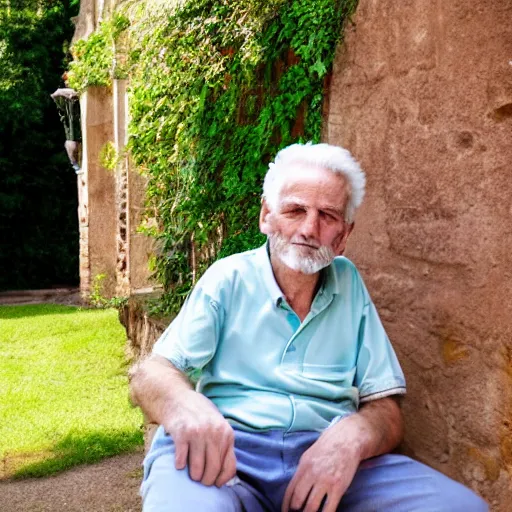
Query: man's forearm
(156,386)
(376,429)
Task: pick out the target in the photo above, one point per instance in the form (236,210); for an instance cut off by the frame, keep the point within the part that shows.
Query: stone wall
(422,95)
(98,195)
(122,190)
(142,330)
(111,203)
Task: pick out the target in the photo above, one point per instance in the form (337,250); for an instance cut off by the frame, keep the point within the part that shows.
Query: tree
(38,199)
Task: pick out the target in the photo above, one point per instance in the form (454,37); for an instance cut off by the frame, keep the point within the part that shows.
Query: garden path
(64,295)
(111,485)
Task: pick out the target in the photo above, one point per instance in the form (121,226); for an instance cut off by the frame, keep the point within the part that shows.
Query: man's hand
(203,438)
(325,471)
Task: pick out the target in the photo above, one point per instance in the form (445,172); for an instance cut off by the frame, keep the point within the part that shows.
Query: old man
(297,404)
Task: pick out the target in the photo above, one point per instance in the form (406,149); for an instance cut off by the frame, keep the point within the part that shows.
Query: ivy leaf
(319,68)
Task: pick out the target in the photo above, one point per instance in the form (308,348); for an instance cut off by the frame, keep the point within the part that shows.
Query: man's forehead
(302,181)
(324,204)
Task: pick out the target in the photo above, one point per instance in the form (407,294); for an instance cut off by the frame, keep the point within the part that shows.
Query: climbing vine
(94,59)
(217,87)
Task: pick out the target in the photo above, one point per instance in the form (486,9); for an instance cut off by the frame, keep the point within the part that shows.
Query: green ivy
(108,157)
(217,87)
(94,59)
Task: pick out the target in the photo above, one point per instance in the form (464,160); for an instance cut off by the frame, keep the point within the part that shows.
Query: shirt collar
(330,280)
(267,274)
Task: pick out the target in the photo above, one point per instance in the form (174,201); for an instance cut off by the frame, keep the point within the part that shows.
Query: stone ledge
(142,328)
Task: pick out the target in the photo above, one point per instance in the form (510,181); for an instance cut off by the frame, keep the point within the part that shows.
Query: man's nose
(311,226)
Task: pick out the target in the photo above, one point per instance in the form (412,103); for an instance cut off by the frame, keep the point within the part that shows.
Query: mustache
(323,251)
(308,243)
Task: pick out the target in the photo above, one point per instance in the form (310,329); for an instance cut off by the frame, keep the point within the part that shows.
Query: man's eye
(296,211)
(328,216)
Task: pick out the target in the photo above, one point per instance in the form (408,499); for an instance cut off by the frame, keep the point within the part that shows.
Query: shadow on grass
(74,449)
(21,311)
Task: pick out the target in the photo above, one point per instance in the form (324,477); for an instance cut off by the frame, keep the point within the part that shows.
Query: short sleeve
(191,340)
(378,373)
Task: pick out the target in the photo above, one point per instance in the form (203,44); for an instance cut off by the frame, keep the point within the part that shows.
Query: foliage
(108,156)
(95,60)
(217,87)
(98,300)
(38,200)
(63,388)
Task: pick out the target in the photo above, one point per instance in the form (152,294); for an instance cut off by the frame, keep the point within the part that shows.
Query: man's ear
(265,215)
(343,240)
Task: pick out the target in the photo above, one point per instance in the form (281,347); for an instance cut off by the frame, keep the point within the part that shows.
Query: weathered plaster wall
(97,118)
(422,95)
(85,22)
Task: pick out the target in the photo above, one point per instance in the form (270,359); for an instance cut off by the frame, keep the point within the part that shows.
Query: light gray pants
(267,461)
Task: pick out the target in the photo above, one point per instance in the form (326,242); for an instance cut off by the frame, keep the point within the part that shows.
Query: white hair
(324,156)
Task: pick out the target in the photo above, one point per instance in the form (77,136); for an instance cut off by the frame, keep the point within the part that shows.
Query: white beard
(291,255)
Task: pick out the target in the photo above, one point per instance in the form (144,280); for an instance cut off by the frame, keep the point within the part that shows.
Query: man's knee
(165,488)
(447,495)
(395,482)
(476,504)
(450,495)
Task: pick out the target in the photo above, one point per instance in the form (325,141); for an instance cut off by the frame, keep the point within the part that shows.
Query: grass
(63,389)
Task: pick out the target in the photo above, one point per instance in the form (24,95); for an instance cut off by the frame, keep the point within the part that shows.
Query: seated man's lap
(389,482)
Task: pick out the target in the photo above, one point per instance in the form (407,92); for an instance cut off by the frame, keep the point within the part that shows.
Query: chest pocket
(332,373)
(330,354)
(331,348)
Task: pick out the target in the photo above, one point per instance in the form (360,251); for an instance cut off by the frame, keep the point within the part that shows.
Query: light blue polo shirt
(261,366)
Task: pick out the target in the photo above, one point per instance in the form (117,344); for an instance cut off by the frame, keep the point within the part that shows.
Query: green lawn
(63,389)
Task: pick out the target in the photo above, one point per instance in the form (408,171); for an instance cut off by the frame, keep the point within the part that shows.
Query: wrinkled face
(307,229)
